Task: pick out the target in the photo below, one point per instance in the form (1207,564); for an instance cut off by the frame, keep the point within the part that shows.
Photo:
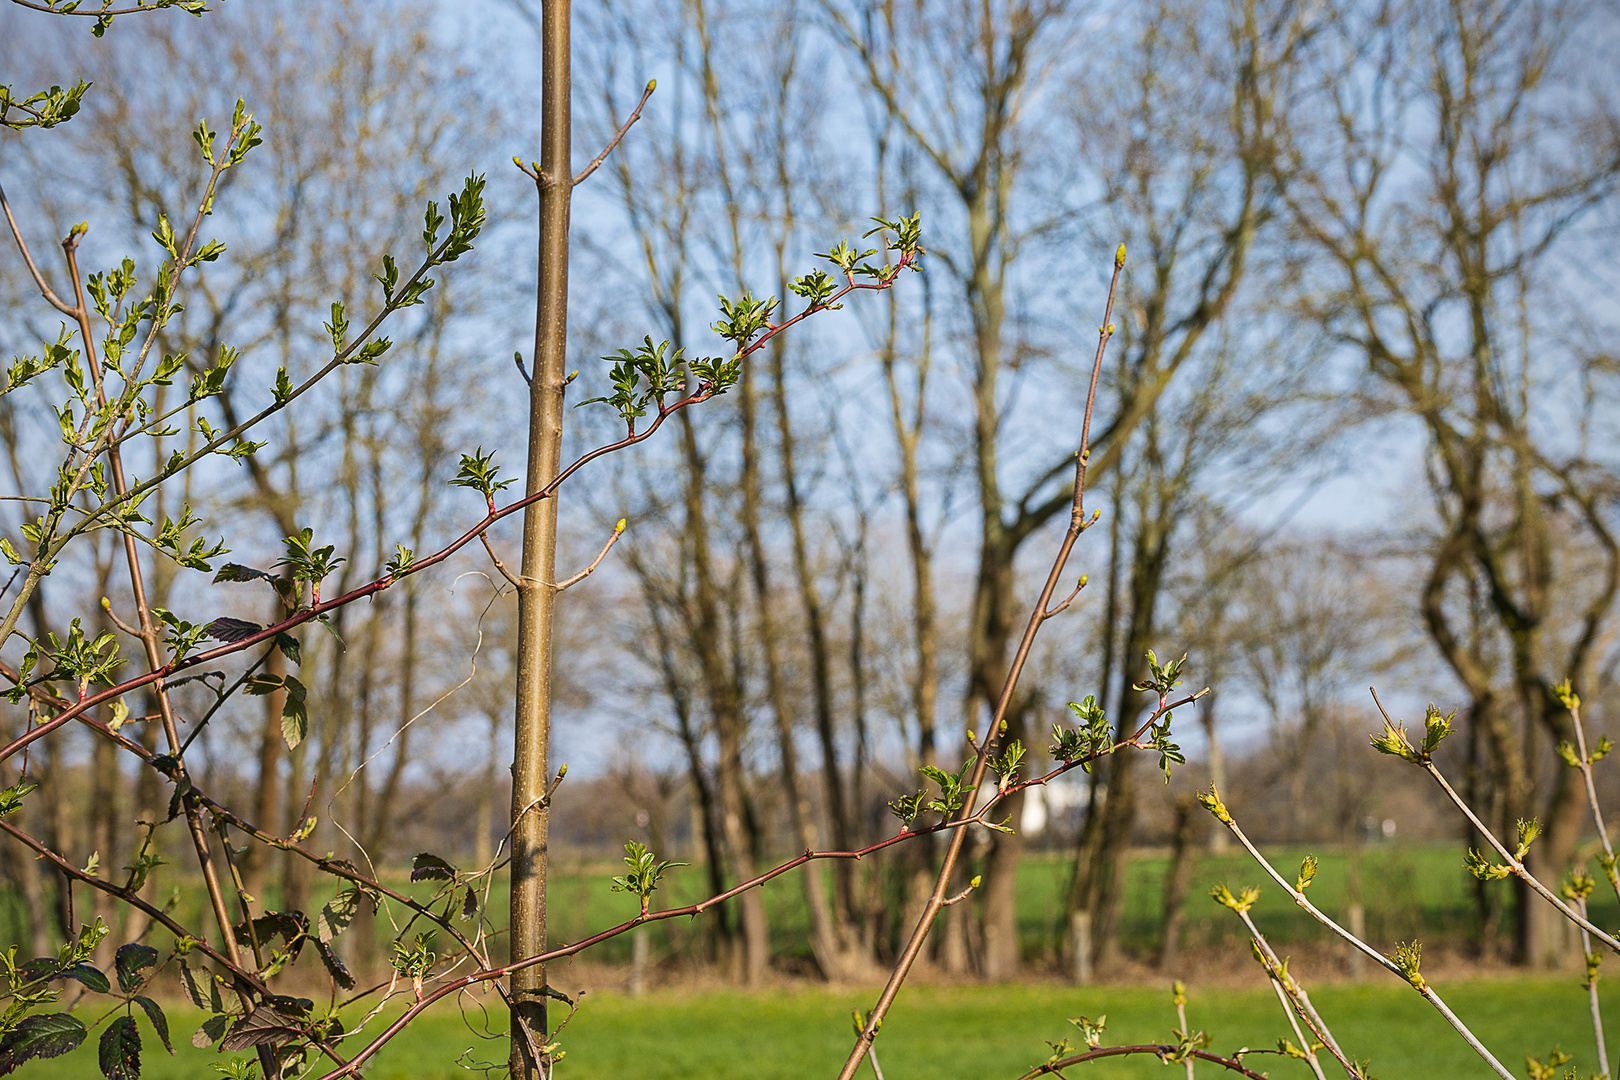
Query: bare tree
(1435,173)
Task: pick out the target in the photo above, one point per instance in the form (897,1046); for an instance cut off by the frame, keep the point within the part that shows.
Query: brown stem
(584,174)
(618,531)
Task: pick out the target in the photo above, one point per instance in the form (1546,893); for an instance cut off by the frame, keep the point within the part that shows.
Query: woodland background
(1359,425)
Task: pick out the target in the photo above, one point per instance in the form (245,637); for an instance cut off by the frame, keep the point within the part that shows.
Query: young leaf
(1407,957)
(1307,873)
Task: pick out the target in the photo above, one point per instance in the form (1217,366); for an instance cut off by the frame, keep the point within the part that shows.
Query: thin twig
(1180,995)
(1592,994)
(618,531)
(92,13)
(596,162)
(33,269)
(1061,608)
(1295,999)
(1383,961)
(1307,1047)
(1514,863)
(1584,763)
(496,559)
(1163,1051)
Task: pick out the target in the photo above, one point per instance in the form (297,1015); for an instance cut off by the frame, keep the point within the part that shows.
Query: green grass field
(984,1031)
(979,1032)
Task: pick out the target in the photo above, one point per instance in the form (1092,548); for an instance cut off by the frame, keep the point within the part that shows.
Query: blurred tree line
(1370,272)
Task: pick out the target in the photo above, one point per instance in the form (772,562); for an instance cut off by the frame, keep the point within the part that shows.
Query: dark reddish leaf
(211,1030)
(129,961)
(261,1027)
(429,867)
(89,976)
(120,1052)
(226,628)
(193,989)
(238,572)
(160,1023)
(43,1035)
(335,965)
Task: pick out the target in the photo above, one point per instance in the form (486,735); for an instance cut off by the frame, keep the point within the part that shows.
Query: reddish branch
(1164,1051)
(304,615)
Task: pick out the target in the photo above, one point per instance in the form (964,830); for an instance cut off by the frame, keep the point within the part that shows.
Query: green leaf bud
(1307,873)
(1210,800)
(1407,958)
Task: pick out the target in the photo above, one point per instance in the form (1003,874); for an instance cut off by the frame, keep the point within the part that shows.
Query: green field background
(940,1033)
(801,1030)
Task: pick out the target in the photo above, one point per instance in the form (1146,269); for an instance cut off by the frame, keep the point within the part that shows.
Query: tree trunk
(815,619)
(987,672)
(21,868)
(1183,847)
(295,872)
(722,690)
(537,593)
(829,953)
(1150,552)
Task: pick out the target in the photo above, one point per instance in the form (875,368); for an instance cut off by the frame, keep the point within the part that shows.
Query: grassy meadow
(944,1033)
(688,1028)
